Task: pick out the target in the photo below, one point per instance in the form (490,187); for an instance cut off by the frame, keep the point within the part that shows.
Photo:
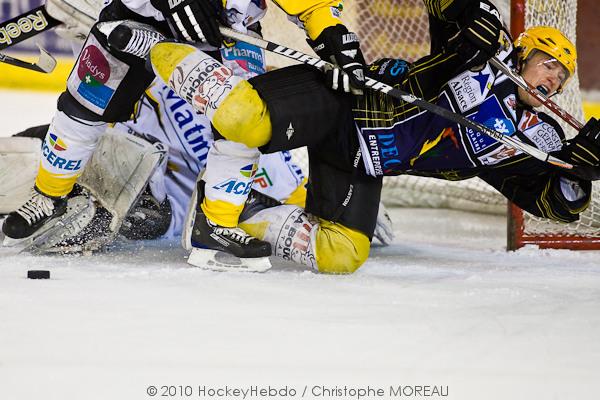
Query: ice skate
(32,216)
(131,37)
(220,248)
(44,221)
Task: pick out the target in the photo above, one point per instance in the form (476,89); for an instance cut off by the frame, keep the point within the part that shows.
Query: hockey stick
(401,95)
(45,63)
(23,27)
(26,25)
(535,93)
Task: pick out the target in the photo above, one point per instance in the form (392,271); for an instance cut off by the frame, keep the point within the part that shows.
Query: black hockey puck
(38,274)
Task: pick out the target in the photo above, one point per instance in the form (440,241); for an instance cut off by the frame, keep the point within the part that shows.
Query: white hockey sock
(230,170)
(67,147)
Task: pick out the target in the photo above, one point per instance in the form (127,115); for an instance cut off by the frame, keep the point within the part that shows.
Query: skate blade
(216,260)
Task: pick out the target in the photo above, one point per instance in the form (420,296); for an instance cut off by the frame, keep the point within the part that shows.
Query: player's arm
(539,190)
(472,28)
(424,78)
(552,192)
(330,39)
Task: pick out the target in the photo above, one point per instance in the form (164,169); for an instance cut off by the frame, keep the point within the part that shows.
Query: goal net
(399,28)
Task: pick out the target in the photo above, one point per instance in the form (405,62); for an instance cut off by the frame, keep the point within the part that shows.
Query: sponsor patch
(57,161)
(499,154)
(471,88)
(542,134)
(96,77)
(491,115)
(56,143)
(93,71)
(336,11)
(249,170)
(205,83)
(233,186)
(248,57)
(510,102)
(263,179)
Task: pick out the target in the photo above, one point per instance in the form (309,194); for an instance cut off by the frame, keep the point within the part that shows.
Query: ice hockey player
(292,107)
(110,76)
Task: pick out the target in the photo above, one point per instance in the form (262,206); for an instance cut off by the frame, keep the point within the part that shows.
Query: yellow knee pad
(340,250)
(243,117)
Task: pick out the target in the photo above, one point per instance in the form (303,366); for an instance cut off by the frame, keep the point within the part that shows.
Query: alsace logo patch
(471,88)
(56,143)
(94,71)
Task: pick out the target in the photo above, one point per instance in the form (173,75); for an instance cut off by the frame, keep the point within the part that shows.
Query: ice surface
(444,305)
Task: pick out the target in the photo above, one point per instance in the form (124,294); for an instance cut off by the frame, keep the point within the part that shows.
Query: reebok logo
(30,22)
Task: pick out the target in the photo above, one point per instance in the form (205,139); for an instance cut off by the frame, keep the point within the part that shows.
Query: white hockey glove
(335,44)
(193,20)
(77,16)
(384,231)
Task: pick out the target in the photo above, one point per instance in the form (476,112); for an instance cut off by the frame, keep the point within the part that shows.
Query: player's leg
(241,114)
(103,87)
(119,192)
(333,234)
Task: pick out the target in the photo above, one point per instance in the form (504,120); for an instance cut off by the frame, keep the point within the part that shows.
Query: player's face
(543,72)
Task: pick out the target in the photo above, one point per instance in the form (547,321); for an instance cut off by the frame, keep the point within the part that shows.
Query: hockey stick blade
(401,95)
(45,63)
(523,84)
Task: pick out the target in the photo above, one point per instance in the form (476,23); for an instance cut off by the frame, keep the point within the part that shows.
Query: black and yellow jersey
(399,138)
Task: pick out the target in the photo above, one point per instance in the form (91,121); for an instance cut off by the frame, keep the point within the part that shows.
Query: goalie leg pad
(19,160)
(119,171)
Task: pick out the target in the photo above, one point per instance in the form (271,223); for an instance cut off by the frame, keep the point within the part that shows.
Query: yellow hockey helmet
(552,42)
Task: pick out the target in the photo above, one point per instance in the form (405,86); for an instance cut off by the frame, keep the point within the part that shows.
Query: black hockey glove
(584,151)
(481,34)
(193,20)
(335,44)
(148,219)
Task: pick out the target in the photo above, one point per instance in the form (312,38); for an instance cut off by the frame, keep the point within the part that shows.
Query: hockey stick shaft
(523,84)
(401,95)
(25,26)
